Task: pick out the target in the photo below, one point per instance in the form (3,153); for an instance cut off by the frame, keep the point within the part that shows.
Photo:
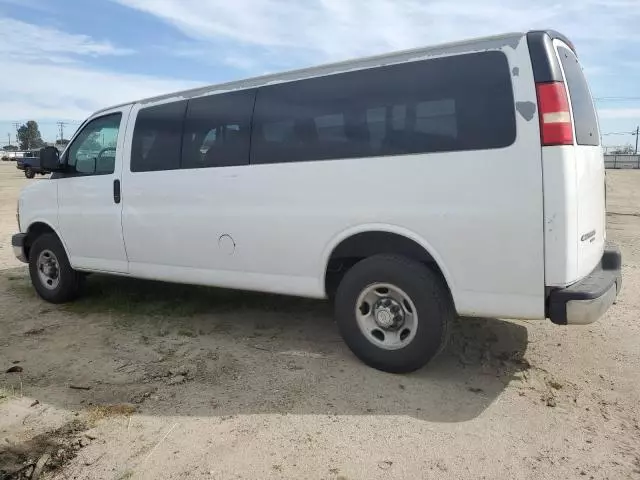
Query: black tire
(69,282)
(29,173)
(427,292)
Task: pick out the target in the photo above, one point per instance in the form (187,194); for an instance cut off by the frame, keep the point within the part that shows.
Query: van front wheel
(51,273)
(393,313)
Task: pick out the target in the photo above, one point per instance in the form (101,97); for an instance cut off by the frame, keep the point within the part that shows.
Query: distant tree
(626,150)
(10,148)
(29,136)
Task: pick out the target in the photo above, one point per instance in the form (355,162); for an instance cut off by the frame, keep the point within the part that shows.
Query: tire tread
(432,293)
(71,282)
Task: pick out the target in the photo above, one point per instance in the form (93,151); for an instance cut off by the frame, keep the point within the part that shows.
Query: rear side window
(457,103)
(584,113)
(217,130)
(157,138)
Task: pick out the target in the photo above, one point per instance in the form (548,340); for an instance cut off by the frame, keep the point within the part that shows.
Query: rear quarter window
(458,103)
(584,113)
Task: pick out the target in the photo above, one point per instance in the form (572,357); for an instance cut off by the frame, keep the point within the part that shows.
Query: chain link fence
(622,161)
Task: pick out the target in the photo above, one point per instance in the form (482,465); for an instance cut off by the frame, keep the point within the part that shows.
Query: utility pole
(61,125)
(17,126)
(637,134)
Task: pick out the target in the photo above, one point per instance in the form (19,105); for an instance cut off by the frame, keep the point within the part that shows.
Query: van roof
(477,44)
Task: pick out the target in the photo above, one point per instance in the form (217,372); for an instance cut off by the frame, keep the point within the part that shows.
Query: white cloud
(24,41)
(43,75)
(255,35)
(50,78)
(619,113)
(71,91)
(335,29)
(203,55)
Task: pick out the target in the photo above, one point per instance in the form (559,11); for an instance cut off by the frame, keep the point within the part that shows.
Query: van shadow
(183,350)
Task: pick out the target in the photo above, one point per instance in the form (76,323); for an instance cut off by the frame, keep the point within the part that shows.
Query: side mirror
(50,159)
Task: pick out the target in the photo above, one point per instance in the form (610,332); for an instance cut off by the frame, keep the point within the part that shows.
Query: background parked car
(30,163)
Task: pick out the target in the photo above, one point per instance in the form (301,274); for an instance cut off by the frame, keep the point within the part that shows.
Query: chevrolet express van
(460,179)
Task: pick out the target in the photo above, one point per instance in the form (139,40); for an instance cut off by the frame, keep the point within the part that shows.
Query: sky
(61,60)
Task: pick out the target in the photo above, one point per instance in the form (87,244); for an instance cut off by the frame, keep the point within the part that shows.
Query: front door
(89,206)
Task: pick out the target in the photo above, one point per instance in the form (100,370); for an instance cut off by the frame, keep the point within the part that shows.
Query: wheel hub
(48,269)
(388,313)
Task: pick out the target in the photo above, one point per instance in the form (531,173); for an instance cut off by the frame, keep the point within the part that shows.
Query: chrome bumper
(587,300)
(584,312)
(17,242)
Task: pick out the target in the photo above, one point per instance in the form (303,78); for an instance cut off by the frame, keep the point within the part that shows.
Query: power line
(618,133)
(635,133)
(617,99)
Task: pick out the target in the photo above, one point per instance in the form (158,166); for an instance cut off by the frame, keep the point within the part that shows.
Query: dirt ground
(145,380)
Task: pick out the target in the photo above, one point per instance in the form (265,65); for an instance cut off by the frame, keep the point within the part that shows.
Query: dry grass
(100,412)
(11,391)
(4,394)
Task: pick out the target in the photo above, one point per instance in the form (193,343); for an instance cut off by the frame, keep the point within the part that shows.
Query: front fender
(38,204)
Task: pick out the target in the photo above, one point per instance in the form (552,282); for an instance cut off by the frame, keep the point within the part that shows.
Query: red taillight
(555,117)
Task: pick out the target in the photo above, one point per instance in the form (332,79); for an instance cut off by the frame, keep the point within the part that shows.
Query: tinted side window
(217,130)
(157,138)
(584,113)
(447,104)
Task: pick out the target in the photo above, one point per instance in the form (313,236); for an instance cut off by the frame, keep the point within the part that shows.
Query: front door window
(93,151)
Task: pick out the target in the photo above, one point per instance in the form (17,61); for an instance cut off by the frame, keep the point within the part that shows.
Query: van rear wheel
(393,313)
(51,273)
(29,173)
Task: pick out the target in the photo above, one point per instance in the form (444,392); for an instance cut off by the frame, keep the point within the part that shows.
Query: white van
(461,179)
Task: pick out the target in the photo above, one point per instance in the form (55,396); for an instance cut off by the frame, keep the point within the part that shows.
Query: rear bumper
(586,301)
(17,242)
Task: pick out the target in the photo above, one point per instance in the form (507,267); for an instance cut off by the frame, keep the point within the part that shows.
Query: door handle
(116,191)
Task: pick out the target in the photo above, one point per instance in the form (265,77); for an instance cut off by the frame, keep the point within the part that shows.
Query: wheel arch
(38,228)
(362,242)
